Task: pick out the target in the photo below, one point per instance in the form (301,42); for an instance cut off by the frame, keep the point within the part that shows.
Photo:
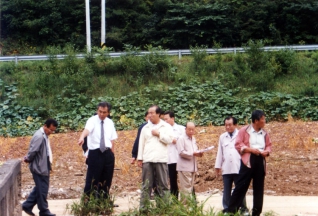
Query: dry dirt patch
(292,167)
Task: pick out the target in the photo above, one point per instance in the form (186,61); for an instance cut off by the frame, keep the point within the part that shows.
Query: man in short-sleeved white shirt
(101,133)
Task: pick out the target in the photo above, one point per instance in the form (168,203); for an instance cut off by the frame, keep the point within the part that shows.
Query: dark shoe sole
(27,211)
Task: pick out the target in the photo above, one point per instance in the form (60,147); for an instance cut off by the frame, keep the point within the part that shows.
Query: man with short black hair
(40,160)
(153,155)
(254,145)
(178,130)
(100,132)
(228,161)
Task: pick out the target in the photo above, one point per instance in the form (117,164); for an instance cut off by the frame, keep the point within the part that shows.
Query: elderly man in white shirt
(228,161)
(101,133)
(153,155)
(178,130)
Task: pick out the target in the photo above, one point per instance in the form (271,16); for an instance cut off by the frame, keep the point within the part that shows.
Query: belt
(107,148)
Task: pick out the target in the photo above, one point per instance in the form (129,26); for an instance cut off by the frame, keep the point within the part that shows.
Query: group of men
(165,151)
(241,158)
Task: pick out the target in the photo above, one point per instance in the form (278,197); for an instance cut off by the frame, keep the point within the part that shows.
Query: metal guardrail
(179,53)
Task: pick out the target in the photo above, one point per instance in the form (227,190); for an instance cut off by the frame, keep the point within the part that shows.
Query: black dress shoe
(28,211)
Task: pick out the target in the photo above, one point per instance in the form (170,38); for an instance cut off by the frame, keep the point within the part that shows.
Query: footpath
(273,205)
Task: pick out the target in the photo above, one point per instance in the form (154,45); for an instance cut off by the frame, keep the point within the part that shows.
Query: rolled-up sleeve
(239,144)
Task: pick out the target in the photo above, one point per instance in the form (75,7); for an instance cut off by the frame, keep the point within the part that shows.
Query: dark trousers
(39,194)
(228,180)
(173,176)
(257,173)
(99,172)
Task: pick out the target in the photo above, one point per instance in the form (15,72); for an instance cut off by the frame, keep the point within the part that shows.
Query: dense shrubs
(200,87)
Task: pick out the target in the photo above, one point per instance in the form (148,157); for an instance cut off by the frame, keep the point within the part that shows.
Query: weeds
(91,205)
(173,206)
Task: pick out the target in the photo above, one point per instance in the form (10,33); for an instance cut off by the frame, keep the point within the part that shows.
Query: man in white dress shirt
(178,130)
(228,161)
(101,133)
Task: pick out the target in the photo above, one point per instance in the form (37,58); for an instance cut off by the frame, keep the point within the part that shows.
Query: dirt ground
(292,166)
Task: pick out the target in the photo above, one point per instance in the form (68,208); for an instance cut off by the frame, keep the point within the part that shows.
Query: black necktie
(231,134)
(102,146)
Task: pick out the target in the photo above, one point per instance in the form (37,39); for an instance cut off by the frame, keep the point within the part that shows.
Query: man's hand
(217,171)
(80,141)
(198,154)
(155,132)
(140,163)
(25,159)
(174,141)
(133,160)
(265,153)
(253,151)
(256,152)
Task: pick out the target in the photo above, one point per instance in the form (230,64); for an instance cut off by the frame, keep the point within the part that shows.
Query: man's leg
(31,201)
(243,206)
(161,170)
(258,184)
(108,171)
(227,189)
(147,182)
(42,189)
(173,176)
(186,184)
(243,182)
(94,171)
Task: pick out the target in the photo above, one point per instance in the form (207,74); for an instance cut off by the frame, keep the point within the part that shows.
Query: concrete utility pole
(103,21)
(88,27)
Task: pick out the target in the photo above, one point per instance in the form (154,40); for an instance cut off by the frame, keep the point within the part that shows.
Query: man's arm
(134,151)
(141,145)
(241,147)
(35,144)
(165,134)
(268,146)
(83,135)
(218,160)
(182,151)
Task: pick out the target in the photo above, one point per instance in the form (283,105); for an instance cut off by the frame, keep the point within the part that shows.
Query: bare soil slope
(292,166)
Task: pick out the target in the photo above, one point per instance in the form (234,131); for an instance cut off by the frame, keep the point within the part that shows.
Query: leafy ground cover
(291,166)
(204,103)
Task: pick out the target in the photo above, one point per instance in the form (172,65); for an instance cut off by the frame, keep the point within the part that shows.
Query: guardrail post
(234,50)
(16,60)
(180,54)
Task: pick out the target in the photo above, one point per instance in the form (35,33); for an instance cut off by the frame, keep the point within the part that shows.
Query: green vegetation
(28,27)
(200,88)
(91,205)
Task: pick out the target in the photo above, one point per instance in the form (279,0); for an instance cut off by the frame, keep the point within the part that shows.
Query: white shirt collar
(258,132)
(233,134)
(42,130)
